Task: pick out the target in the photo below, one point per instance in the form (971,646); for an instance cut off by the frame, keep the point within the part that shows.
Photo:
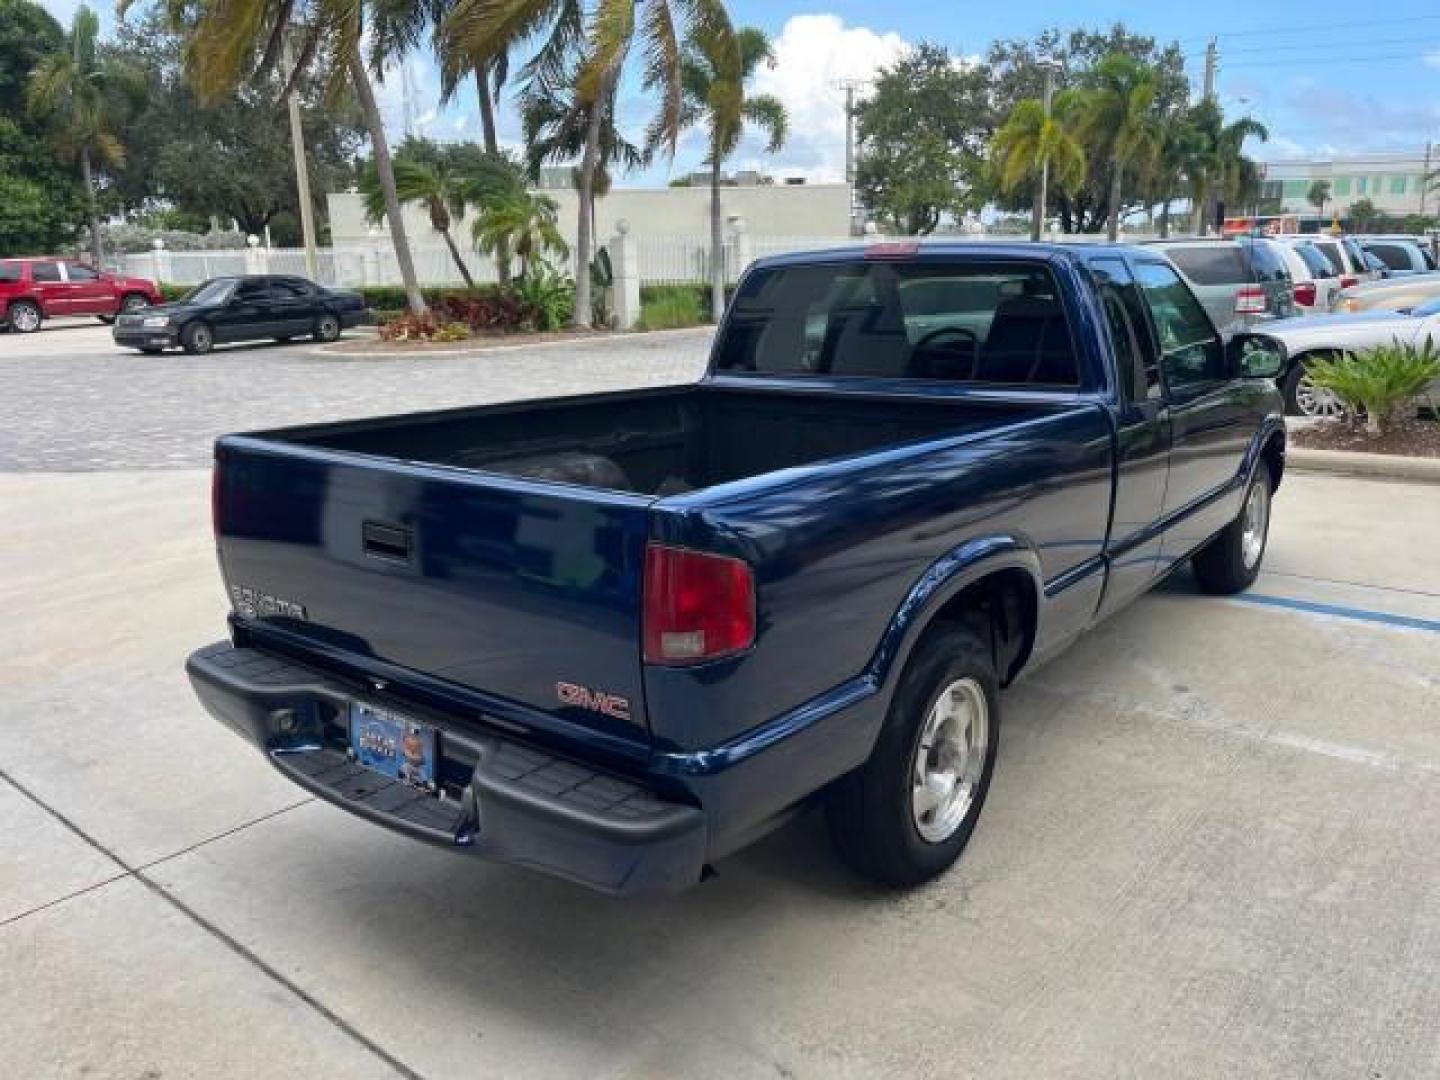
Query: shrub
(548,298)
(491,310)
(409,328)
(670,308)
(1377,382)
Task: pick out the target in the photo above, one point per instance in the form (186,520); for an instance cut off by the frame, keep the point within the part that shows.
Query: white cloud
(813,55)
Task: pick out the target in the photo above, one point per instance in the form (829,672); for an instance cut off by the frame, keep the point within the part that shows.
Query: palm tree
(708,101)
(483,29)
(82,96)
(235,39)
(1119,114)
(1237,177)
(1030,141)
(524,222)
(445,194)
(1218,164)
(1178,145)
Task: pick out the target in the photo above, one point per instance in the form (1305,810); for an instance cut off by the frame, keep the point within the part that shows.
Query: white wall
(802,210)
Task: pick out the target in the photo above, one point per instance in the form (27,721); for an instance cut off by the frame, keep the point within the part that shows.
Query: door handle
(384,541)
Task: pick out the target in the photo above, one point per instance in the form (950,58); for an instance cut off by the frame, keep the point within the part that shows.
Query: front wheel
(905,815)
(327,328)
(1230,561)
(1304,398)
(24,317)
(197,338)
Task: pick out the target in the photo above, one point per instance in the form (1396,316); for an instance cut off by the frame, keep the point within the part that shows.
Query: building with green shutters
(1395,183)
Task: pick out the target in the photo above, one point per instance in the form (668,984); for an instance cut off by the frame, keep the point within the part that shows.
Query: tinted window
(289,289)
(213,291)
(1135,353)
(9,271)
(76,272)
(918,320)
(1191,351)
(44,272)
(1429,258)
(1266,263)
(1331,254)
(1392,255)
(1214,264)
(252,291)
(1315,262)
(1355,251)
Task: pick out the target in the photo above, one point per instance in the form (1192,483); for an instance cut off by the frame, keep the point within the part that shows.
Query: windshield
(912,320)
(214,291)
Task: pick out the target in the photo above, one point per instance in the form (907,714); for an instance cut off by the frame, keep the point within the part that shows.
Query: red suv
(32,290)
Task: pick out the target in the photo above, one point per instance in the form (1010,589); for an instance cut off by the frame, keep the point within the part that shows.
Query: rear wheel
(1230,562)
(1304,398)
(197,338)
(327,328)
(905,815)
(24,317)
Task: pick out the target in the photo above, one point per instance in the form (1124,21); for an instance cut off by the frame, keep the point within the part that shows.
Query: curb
(330,351)
(1354,463)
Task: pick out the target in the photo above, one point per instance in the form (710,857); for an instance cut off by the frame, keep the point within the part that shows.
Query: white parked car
(1342,335)
(1314,281)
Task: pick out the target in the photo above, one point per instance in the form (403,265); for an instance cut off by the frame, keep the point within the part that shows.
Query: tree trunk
(583,315)
(1197,212)
(1037,213)
(1165,220)
(385,172)
(492,147)
(1112,228)
(92,205)
(717,243)
(459,262)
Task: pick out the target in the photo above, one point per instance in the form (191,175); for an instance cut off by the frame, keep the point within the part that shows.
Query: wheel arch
(992,584)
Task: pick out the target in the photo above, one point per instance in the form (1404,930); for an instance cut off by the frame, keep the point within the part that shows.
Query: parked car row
(225,309)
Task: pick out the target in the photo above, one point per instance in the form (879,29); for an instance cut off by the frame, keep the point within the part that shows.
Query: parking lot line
(1339,611)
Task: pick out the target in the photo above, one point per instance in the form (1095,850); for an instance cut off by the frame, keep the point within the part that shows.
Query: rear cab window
(44,271)
(1267,264)
(1330,253)
(1393,256)
(988,323)
(1315,261)
(1212,264)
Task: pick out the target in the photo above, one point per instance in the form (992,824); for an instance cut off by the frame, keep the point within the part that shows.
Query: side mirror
(1257,356)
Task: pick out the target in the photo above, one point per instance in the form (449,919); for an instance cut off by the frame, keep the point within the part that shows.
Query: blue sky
(1322,74)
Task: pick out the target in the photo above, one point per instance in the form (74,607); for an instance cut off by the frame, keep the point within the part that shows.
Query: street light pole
(1037,216)
(302,172)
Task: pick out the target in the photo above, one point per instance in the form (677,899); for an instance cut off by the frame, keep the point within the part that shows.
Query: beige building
(1393,182)
(770,210)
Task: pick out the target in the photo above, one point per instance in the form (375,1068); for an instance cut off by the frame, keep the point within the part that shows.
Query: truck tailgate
(524,589)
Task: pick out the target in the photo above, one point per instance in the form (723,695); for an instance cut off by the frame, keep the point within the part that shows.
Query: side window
(9,271)
(76,272)
(1392,255)
(1191,352)
(251,292)
(1129,330)
(288,289)
(44,271)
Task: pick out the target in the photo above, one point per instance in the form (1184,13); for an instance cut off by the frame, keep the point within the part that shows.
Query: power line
(1339,43)
(1293,29)
(1310,61)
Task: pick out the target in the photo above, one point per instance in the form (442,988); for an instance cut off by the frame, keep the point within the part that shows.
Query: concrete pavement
(1208,852)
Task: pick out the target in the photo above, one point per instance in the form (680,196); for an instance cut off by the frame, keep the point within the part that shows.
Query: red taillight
(1349,281)
(1304,294)
(697,607)
(1250,300)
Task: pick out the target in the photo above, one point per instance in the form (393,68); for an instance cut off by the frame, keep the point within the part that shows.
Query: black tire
(1225,565)
(327,328)
(151,350)
(872,812)
(283,340)
(108,320)
(1290,391)
(197,338)
(24,317)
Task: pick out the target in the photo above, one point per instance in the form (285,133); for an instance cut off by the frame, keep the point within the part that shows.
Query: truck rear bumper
(501,799)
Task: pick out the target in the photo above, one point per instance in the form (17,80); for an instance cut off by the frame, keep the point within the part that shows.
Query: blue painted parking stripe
(1410,622)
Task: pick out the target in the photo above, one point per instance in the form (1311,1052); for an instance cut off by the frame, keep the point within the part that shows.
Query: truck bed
(657,442)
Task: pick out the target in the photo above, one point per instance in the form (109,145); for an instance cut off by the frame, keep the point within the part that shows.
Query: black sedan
(250,308)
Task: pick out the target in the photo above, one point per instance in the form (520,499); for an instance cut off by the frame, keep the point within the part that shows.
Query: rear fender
(942,581)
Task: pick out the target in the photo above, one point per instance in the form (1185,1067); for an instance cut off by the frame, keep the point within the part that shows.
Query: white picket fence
(662,259)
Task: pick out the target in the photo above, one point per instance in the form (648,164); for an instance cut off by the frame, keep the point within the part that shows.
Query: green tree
(1364,216)
(1219,168)
(1118,113)
(235,41)
(1179,145)
(1017,71)
(524,221)
(40,200)
(482,30)
(1319,195)
(1029,142)
(708,103)
(84,96)
(923,133)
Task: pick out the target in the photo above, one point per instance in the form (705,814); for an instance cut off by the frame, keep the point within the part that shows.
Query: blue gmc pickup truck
(618,637)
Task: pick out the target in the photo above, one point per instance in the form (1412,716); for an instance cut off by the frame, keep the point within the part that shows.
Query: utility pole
(850,86)
(1426,179)
(1212,59)
(302,171)
(1037,216)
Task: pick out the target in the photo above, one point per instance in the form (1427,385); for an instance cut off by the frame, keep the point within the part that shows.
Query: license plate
(393,745)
